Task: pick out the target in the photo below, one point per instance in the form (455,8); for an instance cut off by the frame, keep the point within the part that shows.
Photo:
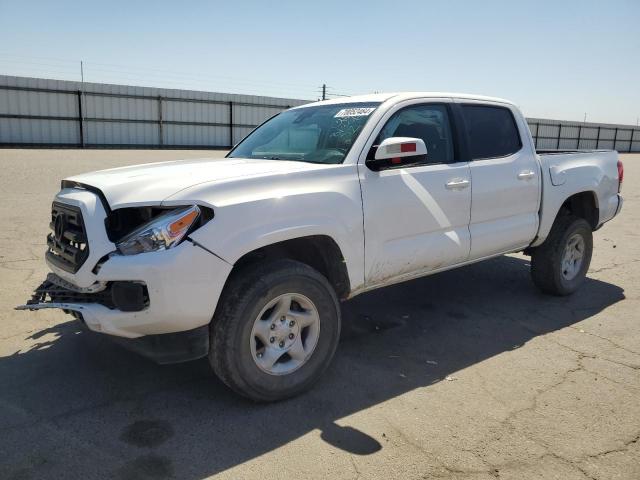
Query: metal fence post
(559,134)
(80,119)
(160,132)
(537,134)
(631,140)
(579,134)
(598,139)
(231,124)
(615,138)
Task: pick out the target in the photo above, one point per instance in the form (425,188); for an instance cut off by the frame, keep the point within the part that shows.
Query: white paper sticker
(354,112)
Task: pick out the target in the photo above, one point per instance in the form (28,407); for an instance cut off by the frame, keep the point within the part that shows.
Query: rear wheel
(559,266)
(275,331)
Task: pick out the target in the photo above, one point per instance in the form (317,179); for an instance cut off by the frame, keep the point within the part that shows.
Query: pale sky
(556,59)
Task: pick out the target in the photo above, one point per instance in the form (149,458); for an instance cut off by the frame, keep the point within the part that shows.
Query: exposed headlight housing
(163,232)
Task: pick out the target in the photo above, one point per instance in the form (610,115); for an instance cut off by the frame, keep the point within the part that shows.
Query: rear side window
(492,131)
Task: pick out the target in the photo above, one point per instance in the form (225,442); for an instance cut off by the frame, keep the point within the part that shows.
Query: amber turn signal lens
(182,223)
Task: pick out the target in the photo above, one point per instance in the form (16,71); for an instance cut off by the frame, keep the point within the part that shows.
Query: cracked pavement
(468,374)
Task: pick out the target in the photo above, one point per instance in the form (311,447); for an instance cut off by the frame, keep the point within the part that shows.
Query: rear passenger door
(505,178)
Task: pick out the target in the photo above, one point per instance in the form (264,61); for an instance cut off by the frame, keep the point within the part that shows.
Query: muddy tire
(275,330)
(559,266)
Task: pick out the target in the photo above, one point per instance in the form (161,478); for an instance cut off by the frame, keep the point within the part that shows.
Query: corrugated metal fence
(563,135)
(57,113)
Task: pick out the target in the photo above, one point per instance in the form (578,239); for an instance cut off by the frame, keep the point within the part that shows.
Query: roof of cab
(399,96)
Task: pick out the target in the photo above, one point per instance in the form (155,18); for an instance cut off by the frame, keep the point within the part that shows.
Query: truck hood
(150,184)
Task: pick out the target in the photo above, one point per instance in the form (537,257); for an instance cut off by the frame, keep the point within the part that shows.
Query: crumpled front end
(148,294)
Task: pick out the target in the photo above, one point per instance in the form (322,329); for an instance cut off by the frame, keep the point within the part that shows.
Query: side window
(428,122)
(492,131)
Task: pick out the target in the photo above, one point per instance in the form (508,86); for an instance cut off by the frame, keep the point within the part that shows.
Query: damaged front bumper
(161,348)
(164,315)
(55,292)
(150,300)
(147,294)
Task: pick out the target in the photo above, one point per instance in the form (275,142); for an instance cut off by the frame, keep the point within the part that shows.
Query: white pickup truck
(245,259)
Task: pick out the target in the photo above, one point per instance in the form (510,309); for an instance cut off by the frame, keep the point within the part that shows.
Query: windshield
(321,134)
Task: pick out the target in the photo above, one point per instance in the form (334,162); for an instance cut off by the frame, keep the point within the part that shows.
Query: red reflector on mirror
(408,147)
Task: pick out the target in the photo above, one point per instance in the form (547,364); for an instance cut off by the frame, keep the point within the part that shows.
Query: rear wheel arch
(582,205)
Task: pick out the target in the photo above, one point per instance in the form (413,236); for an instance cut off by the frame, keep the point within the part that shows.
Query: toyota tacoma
(246,259)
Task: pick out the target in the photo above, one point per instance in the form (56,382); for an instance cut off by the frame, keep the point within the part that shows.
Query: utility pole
(324,91)
(585,118)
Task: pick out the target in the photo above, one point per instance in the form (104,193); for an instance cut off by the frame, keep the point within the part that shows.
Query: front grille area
(68,247)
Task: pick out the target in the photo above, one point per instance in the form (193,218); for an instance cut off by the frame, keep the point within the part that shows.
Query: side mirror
(397,151)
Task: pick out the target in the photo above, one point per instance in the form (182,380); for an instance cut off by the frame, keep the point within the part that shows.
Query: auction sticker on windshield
(354,112)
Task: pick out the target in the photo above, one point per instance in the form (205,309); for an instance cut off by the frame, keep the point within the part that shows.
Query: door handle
(458,183)
(526,175)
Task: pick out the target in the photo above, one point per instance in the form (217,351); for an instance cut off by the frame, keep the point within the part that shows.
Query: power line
(163,78)
(326,94)
(72,64)
(97,72)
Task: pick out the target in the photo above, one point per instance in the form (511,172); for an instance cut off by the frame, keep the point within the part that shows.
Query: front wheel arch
(320,252)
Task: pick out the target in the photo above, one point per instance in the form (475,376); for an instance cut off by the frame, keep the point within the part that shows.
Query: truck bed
(568,172)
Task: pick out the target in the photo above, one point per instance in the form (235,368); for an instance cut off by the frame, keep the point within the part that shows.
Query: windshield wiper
(298,159)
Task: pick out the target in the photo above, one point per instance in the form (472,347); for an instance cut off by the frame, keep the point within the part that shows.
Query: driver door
(416,215)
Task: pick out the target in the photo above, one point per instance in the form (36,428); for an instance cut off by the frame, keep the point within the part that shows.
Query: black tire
(248,291)
(546,260)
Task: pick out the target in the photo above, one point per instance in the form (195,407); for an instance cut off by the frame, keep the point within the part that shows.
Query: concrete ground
(468,374)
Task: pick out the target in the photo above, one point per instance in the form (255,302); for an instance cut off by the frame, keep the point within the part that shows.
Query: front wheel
(559,266)
(275,331)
